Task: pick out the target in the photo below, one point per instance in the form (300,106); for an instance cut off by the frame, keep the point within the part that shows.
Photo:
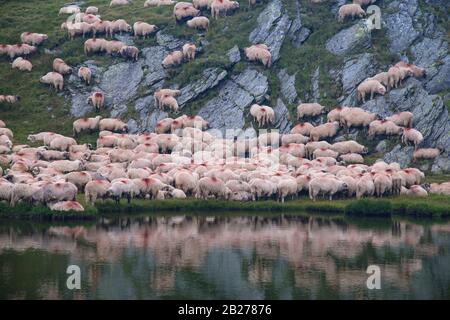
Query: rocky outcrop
(253,82)
(315,85)
(282,117)
(298,33)
(234,55)
(209,79)
(287,86)
(153,58)
(402,155)
(149,115)
(273,25)
(349,40)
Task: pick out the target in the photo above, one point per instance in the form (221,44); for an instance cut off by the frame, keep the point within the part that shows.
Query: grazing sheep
(119,3)
(259,52)
(417,191)
(114,125)
(143,29)
(350,10)
(157,3)
(262,114)
(169,102)
(61,67)
(91,10)
(327,130)
(66,206)
(189,51)
(397,75)
(412,135)
(351,158)
(415,71)
(130,52)
(53,78)
(426,153)
(198,23)
(202,4)
(97,100)
(22,64)
(85,74)
(365,186)
(350,146)
(86,124)
(34,39)
(62,143)
(95,45)
(222,6)
(113,46)
(384,127)
(309,110)
(173,59)
(370,86)
(404,119)
(383,78)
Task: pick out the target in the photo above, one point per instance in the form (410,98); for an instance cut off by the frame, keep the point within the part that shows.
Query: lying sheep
(309,110)
(184,10)
(97,100)
(223,6)
(443,188)
(370,86)
(130,52)
(95,45)
(327,130)
(53,78)
(417,191)
(114,125)
(86,124)
(189,51)
(259,52)
(404,119)
(350,10)
(61,67)
(32,38)
(85,74)
(174,58)
(114,3)
(412,135)
(66,206)
(9,99)
(143,29)
(22,64)
(157,3)
(426,153)
(198,23)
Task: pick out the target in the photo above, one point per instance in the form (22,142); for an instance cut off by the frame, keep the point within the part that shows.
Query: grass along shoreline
(434,206)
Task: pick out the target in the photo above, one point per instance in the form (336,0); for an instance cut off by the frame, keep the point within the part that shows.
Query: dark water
(225,257)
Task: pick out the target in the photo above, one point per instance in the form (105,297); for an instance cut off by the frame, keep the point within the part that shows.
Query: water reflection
(229,257)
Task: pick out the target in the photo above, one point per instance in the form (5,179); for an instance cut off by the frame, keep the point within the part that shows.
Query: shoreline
(431,207)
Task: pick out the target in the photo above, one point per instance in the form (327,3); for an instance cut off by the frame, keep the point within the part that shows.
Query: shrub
(369,207)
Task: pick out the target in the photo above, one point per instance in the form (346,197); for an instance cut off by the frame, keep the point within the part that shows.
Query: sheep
(97,100)
(417,191)
(219,6)
(327,130)
(262,114)
(183,10)
(114,125)
(324,152)
(62,143)
(173,59)
(194,122)
(261,188)
(293,138)
(383,127)
(119,3)
(95,45)
(2,123)
(426,153)
(66,206)
(303,128)
(185,181)
(286,187)
(351,158)
(202,4)
(49,155)
(103,26)
(91,10)
(259,52)
(130,52)
(189,51)
(198,23)
(312,146)
(157,3)
(77,28)
(309,110)
(71,9)
(382,184)
(356,117)
(415,71)
(370,86)
(212,186)
(113,47)
(6,190)
(34,39)
(7,132)
(170,102)
(443,188)
(350,10)
(412,135)
(335,114)
(404,119)
(350,146)
(85,74)
(143,29)
(53,78)
(85,124)
(326,186)
(24,192)
(9,99)
(162,93)
(365,186)
(61,67)
(396,74)
(150,187)
(106,141)
(383,78)
(79,179)
(21,49)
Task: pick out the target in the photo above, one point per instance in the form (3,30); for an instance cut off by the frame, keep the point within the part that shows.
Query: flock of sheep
(181,158)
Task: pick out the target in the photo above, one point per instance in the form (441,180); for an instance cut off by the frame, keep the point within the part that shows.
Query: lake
(226,256)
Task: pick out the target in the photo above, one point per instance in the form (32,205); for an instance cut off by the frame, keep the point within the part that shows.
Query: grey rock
(297,32)
(210,78)
(431,116)
(441,163)
(349,40)
(315,85)
(118,111)
(273,26)
(226,111)
(287,84)
(120,82)
(79,106)
(337,4)
(381,146)
(282,122)
(125,38)
(403,156)
(153,58)
(234,55)
(168,41)
(253,82)
(149,115)
(133,126)
(248,133)
(400,30)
